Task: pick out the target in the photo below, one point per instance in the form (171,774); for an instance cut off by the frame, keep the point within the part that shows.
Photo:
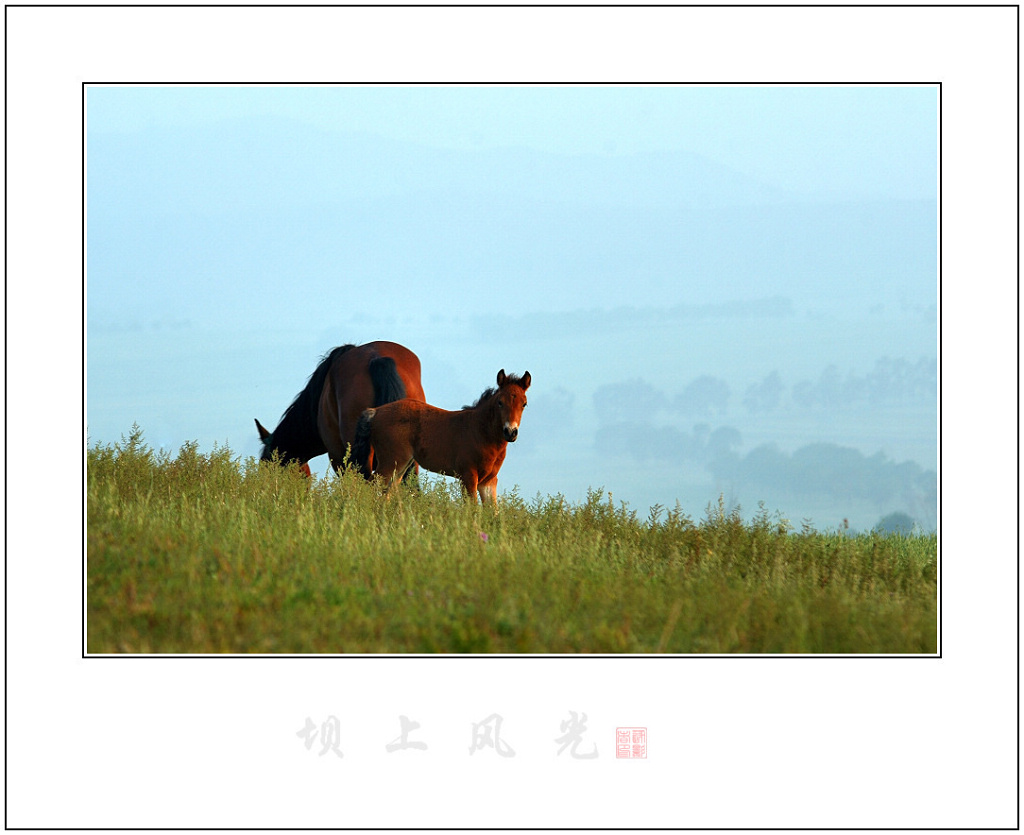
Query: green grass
(210,554)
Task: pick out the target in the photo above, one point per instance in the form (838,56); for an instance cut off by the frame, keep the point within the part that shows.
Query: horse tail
(387,385)
(362,450)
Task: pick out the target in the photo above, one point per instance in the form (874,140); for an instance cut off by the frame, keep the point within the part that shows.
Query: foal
(469,444)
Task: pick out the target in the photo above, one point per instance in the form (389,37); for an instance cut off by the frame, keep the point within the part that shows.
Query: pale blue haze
(620,243)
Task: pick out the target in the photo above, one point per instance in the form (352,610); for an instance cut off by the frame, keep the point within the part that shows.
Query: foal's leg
(393,473)
(488,492)
(412,476)
(395,478)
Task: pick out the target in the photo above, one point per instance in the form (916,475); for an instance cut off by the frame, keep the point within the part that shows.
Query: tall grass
(209,554)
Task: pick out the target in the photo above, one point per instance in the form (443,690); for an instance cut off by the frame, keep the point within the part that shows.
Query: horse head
(267,439)
(269,448)
(511,400)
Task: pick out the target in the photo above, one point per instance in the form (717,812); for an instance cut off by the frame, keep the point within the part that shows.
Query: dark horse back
(347,381)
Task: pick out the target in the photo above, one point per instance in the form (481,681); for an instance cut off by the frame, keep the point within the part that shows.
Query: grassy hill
(211,554)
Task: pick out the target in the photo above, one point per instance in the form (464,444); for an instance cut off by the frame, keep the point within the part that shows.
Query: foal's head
(510,400)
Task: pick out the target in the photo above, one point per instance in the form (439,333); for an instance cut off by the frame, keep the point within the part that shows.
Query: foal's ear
(526,381)
(264,434)
(501,377)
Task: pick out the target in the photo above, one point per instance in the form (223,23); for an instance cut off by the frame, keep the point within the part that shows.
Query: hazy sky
(234,234)
(877,140)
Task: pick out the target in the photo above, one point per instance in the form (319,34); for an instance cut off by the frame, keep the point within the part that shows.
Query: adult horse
(348,380)
(469,444)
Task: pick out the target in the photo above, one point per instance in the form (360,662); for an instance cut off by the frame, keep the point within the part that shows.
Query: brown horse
(469,444)
(348,380)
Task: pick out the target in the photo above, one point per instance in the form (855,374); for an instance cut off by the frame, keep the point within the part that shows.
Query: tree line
(890,383)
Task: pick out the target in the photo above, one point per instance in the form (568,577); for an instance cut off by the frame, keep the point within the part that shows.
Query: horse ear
(264,434)
(501,377)
(526,381)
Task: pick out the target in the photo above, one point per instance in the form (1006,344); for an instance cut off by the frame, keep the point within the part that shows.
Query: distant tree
(765,396)
(631,401)
(895,523)
(720,455)
(884,381)
(704,396)
(894,381)
(723,439)
(701,433)
(926,380)
(826,392)
(803,394)
(825,469)
(620,439)
(855,390)
(646,442)
(552,412)
(922,498)
(891,382)
(765,466)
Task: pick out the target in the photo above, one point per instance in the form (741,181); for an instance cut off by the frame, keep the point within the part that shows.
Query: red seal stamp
(631,743)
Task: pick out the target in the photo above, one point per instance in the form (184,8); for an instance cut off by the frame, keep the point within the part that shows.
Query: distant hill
(308,218)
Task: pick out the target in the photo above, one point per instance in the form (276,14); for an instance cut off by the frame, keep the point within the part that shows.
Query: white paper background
(732,742)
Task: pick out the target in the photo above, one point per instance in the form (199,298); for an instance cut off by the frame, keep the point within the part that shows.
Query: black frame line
(513,6)
(505,656)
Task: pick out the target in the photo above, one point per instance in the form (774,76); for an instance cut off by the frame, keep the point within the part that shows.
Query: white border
(732,742)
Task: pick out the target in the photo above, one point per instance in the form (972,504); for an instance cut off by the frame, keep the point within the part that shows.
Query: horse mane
(304,407)
(510,380)
(488,393)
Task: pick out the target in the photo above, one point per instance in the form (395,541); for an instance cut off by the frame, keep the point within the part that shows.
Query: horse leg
(412,476)
(392,457)
(395,476)
(470,482)
(366,469)
(488,492)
